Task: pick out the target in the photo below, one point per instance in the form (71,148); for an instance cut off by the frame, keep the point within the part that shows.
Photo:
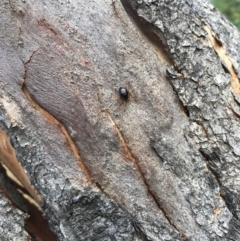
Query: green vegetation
(230,8)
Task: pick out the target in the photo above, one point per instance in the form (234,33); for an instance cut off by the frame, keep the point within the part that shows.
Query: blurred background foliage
(230,8)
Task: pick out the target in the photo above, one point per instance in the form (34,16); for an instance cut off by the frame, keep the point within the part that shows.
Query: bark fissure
(237,115)
(11,190)
(173,73)
(18,186)
(140,233)
(221,51)
(204,131)
(113,3)
(134,160)
(20,198)
(214,173)
(53,120)
(149,33)
(9,159)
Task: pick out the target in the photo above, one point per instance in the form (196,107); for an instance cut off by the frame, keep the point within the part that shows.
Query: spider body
(123,92)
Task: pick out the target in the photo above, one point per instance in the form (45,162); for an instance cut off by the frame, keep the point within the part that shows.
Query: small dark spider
(123,92)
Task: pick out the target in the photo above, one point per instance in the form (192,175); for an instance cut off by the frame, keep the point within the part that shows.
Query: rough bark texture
(12,220)
(160,165)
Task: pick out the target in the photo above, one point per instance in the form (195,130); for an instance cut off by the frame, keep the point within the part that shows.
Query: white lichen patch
(12,110)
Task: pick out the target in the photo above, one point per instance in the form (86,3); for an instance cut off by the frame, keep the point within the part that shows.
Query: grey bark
(11,222)
(160,165)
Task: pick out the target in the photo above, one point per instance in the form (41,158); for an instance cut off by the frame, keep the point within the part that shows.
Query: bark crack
(53,120)
(25,68)
(135,161)
(113,4)
(214,173)
(150,33)
(8,158)
(204,131)
(221,51)
(35,224)
(234,112)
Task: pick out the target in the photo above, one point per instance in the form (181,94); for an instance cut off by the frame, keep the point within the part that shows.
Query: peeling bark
(161,164)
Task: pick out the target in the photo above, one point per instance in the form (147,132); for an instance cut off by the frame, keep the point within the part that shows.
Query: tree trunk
(159,161)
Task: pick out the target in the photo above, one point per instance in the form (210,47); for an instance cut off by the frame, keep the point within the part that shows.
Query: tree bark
(161,163)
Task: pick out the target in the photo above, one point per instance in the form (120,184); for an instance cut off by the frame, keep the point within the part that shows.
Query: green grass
(230,8)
